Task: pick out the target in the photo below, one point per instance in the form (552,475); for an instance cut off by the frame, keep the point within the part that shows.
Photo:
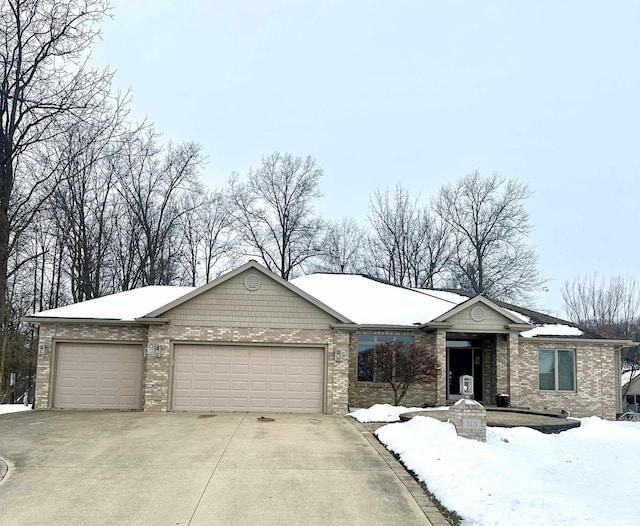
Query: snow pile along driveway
(584,476)
(386,412)
(13,408)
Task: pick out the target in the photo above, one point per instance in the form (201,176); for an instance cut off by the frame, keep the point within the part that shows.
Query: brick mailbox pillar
(469,419)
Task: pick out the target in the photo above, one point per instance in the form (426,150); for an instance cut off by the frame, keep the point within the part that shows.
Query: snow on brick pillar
(441,354)
(469,419)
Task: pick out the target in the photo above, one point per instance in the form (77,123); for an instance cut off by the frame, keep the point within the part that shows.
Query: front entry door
(463,361)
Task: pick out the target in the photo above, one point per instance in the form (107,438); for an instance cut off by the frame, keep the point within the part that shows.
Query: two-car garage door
(248,378)
(98,376)
(205,377)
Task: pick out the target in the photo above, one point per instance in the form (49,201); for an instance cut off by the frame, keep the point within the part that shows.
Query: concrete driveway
(79,468)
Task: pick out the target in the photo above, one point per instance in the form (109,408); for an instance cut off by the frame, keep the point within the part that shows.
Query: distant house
(250,341)
(631,391)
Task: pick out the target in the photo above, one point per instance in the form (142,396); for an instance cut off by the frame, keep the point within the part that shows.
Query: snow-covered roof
(552,329)
(519,315)
(351,297)
(446,295)
(125,306)
(370,302)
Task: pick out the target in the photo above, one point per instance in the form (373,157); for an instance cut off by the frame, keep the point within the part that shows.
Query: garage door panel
(98,376)
(128,383)
(108,383)
(249,378)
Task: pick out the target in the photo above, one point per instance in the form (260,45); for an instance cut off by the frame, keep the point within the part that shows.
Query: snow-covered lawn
(584,476)
(13,408)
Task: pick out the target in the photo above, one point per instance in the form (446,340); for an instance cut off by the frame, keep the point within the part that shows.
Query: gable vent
(252,282)
(478,314)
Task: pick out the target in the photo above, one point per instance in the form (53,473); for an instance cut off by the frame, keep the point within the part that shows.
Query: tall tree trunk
(6,185)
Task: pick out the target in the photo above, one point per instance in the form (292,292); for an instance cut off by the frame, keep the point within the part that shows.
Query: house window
(366,343)
(557,369)
(633,402)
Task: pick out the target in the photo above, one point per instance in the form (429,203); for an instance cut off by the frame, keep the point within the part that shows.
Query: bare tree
(207,237)
(401,364)
(490,225)
(343,247)
(83,204)
(218,238)
(43,87)
(153,181)
(609,306)
(274,215)
(408,245)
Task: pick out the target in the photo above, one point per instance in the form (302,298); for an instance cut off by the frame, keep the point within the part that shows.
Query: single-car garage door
(98,376)
(217,378)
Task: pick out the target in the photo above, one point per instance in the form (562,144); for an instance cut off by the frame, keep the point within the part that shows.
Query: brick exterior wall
(511,368)
(366,394)
(440,342)
(597,376)
(158,373)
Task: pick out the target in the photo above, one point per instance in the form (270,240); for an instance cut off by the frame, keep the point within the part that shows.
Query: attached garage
(98,376)
(247,341)
(248,378)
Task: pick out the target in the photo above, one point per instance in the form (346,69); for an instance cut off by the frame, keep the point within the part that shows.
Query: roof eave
(519,326)
(577,339)
(152,321)
(108,321)
(375,326)
(437,325)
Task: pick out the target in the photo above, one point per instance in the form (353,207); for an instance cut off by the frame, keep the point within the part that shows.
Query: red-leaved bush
(401,364)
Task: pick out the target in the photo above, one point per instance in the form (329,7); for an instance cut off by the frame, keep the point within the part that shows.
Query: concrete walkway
(79,468)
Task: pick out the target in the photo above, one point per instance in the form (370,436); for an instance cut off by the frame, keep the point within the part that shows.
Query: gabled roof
(513,317)
(371,301)
(368,301)
(123,306)
(232,274)
(148,303)
(349,298)
(545,324)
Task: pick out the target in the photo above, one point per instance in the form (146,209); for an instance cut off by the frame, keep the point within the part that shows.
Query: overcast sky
(412,92)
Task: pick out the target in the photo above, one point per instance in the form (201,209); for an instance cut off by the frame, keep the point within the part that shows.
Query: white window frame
(556,368)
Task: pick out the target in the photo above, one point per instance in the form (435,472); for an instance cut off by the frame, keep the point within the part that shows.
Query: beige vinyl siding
(230,304)
(493,322)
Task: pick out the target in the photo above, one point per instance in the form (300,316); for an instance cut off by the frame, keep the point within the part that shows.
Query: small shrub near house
(401,364)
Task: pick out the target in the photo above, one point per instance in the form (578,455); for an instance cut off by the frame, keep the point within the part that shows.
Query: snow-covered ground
(387,412)
(13,408)
(584,476)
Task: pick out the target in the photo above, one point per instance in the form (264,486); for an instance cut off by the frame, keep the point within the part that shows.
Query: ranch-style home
(251,341)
